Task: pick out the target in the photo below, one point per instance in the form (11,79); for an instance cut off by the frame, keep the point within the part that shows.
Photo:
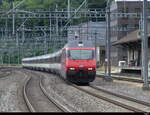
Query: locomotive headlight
(72,68)
(90,68)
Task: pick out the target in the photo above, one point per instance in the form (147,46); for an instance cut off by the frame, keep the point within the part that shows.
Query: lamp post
(108,43)
(68,9)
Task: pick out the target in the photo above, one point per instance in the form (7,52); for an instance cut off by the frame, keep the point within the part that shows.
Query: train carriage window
(59,58)
(43,60)
(53,59)
(46,60)
(49,60)
(56,59)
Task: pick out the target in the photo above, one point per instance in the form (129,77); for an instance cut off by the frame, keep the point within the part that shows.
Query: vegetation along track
(32,91)
(126,103)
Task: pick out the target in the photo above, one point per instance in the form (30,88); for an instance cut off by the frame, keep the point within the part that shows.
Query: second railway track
(121,101)
(132,101)
(36,97)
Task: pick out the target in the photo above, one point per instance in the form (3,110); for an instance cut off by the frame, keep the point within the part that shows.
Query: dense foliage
(15,57)
(51,3)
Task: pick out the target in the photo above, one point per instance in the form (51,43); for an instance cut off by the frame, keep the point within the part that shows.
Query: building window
(137,10)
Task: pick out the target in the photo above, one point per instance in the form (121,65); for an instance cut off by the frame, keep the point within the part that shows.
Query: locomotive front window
(81,54)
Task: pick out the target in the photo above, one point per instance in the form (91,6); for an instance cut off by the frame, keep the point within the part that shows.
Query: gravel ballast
(11,99)
(82,102)
(131,89)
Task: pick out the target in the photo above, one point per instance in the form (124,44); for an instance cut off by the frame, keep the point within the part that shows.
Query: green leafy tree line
(51,3)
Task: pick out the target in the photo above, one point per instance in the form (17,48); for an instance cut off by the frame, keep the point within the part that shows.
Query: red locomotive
(78,62)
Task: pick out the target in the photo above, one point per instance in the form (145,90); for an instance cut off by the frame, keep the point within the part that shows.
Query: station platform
(136,70)
(120,76)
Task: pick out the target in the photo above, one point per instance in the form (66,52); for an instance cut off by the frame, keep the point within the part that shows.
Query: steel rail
(104,98)
(56,103)
(128,107)
(61,107)
(29,105)
(109,100)
(121,96)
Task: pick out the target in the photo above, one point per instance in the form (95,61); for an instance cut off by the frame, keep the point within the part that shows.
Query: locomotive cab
(80,62)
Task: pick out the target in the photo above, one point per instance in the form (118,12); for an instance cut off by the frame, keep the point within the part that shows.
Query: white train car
(48,62)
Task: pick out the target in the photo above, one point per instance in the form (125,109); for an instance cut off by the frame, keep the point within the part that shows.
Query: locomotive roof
(80,43)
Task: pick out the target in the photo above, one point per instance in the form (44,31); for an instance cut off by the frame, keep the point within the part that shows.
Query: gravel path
(125,88)
(11,99)
(75,98)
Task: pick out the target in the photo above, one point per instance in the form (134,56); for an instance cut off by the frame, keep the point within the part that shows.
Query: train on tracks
(76,62)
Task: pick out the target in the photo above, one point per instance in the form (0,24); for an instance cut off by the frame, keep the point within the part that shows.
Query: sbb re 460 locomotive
(76,62)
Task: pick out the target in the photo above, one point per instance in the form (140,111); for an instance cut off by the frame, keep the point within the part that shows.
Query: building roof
(131,37)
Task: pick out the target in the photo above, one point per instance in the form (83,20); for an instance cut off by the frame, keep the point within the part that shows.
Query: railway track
(126,102)
(29,105)
(108,99)
(135,101)
(47,101)
(116,99)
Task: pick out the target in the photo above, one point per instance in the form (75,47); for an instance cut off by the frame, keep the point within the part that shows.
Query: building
(122,26)
(132,44)
(95,31)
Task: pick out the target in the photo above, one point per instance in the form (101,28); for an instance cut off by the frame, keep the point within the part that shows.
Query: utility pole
(23,34)
(96,47)
(145,47)
(105,64)
(2,59)
(108,77)
(69,9)
(6,29)
(13,21)
(56,26)
(18,55)
(50,27)
(45,42)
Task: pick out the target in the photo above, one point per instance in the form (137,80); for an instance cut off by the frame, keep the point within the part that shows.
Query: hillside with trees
(13,53)
(51,3)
